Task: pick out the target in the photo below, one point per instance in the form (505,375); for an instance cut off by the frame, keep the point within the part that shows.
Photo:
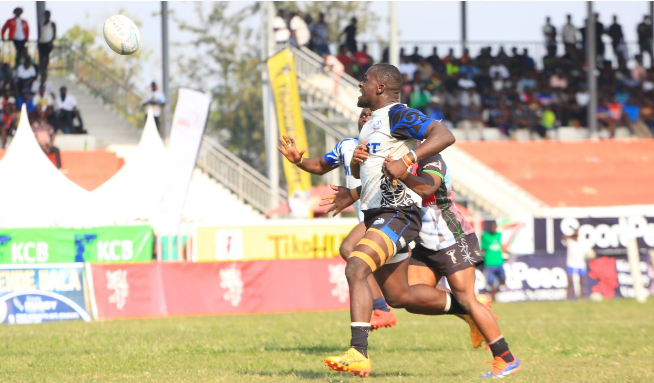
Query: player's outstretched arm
(343,198)
(314,165)
(437,139)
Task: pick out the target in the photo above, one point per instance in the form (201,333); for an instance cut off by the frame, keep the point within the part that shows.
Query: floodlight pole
(269,116)
(40,15)
(164,127)
(464,36)
(393,45)
(591,57)
(651,19)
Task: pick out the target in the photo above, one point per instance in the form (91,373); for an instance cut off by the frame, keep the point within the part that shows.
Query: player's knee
(346,249)
(397,301)
(356,269)
(465,301)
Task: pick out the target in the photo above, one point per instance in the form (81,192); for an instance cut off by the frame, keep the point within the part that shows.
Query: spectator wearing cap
(47,36)
(19,33)
(156,99)
(45,134)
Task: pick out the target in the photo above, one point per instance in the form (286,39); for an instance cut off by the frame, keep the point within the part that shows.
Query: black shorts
(463,254)
(398,225)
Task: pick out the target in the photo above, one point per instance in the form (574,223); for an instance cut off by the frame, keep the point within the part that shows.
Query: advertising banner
(544,277)
(58,245)
(171,288)
(607,236)
(283,82)
(45,293)
(300,240)
(189,121)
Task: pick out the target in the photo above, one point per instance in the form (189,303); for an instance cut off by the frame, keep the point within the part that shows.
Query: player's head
(364,117)
(381,85)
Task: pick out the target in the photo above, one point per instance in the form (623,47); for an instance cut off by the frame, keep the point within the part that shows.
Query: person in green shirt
(491,247)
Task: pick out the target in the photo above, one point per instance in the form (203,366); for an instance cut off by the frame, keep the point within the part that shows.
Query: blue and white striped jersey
(341,155)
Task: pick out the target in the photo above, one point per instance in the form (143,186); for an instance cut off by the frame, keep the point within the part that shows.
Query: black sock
(360,339)
(380,304)
(455,306)
(501,349)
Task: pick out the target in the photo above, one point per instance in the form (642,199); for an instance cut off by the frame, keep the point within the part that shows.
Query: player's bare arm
(359,156)
(425,184)
(437,139)
(313,165)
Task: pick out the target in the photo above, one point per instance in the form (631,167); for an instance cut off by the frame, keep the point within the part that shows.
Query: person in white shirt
(156,99)
(499,68)
(299,29)
(282,34)
(43,81)
(408,67)
(47,35)
(576,263)
(569,36)
(67,111)
(25,75)
(549,31)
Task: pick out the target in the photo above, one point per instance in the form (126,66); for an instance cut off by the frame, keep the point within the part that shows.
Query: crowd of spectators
(502,89)
(26,83)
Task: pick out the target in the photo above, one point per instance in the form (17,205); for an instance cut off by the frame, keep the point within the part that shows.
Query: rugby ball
(121,34)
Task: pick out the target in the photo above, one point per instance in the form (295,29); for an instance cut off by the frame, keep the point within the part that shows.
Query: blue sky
(418,21)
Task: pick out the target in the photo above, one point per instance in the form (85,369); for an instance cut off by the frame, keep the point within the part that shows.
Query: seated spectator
(470,119)
(547,123)
(425,68)
(465,57)
(558,80)
(25,74)
(43,80)
(529,63)
(515,61)
(420,96)
(632,119)
(9,116)
(435,109)
(526,82)
(408,67)
(6,76)
(450,56)
(648,85)
(498,83)
(345,59)
(499,117)
(66,112)
(499,68)
(26,98)
(604,119)
(638,73)
(415,57)
(544,96)
(45,134)
(43,101)
(523,117)
(502,56)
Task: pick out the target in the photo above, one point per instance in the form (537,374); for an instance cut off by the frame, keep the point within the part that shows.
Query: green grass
(556,342)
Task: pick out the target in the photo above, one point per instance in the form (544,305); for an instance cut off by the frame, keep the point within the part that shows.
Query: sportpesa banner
(42,293)
(294,240)
(283,82)
(57,245)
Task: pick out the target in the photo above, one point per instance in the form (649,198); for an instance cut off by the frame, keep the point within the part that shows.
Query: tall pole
(269,115)
(651,19)
(40,10)
(393,46)
(464,37)
(591,57)
(164,128)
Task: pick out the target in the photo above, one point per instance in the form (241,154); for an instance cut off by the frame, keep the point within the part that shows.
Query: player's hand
(360,154)
(394,169)
(289,150)
(339,201)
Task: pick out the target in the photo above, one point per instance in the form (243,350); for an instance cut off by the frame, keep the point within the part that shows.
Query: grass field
(556,342)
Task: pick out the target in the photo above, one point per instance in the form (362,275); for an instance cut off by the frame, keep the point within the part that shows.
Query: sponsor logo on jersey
(451,254)
(436,164)
(377,125)
(378,221)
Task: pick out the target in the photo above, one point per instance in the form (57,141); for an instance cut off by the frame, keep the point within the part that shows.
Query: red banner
(162,288)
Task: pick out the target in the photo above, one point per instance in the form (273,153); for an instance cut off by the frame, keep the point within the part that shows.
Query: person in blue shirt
(26,98)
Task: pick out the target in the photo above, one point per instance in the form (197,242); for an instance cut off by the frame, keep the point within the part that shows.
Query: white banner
(186,134)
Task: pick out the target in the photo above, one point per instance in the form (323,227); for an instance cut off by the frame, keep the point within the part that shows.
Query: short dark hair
(388,75)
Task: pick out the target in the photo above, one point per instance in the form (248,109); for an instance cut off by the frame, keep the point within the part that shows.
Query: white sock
(449,302)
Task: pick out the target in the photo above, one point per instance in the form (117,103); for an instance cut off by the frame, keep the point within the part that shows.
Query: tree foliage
(227,65)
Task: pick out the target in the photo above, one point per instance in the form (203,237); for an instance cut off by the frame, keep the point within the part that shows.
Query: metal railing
(243,180)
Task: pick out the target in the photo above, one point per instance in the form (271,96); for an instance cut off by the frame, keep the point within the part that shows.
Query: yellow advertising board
(283,82)
(298,240)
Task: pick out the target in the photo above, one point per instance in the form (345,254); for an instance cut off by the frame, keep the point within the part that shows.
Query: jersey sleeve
(434,165)
(407,123)
(335,157)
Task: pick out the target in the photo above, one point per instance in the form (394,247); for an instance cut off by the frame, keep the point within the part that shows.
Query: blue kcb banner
(36,294)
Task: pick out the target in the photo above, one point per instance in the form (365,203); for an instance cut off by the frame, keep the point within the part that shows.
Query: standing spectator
(415,57)
(549,31)
(644,31)
(569,35)
(309,21)
(491,247)
(604,117)
(47,36)
(617,37)
(156,99)
(25,75)
(350,33)
(321,35)
(19,32)
(576,264)
(599,43)
(45,134)
(282,34)
(299,30)
(529,63)
(66,110)
(638,72)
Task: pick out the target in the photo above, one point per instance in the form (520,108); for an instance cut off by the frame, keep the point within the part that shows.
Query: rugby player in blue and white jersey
(341,156)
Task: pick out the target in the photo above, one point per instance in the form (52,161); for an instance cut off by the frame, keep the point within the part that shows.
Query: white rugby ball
(121,34)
